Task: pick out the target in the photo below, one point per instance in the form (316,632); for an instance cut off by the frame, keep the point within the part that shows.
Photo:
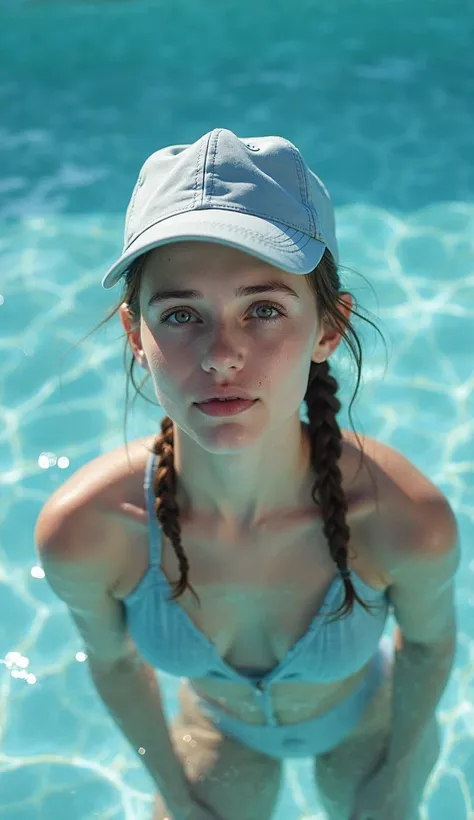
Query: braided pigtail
(166,507)
(327,493)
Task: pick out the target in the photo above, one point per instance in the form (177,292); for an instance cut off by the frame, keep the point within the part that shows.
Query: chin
(227,438)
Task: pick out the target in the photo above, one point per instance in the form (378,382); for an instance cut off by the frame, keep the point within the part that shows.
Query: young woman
(249,552)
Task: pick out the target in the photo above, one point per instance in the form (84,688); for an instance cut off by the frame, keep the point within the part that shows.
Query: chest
(259,594)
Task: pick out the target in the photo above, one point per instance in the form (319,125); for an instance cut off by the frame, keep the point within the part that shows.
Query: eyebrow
(272,286)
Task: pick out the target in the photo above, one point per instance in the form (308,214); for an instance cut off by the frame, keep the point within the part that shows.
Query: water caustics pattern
(379,99)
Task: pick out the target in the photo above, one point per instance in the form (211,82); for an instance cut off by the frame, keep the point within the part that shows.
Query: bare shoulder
(86,509)
(107,478)
(409,485)
(414,514)
(406,482)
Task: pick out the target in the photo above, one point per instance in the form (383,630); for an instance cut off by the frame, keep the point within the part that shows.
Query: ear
(133,334)
(329,337)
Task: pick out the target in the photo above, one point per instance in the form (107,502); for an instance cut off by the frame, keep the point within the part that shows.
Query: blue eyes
(279,310)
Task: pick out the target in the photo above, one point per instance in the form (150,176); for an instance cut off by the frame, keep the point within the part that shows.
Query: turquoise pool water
(380,102)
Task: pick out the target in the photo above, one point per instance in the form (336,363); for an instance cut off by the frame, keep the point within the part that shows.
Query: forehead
(190,262)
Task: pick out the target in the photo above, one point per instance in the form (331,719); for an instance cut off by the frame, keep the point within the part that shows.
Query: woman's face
(262,343)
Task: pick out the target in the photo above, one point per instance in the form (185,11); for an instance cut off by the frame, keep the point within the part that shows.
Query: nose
(223,351)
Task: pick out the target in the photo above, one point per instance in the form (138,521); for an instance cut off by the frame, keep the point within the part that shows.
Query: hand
(194,810)
(382,797)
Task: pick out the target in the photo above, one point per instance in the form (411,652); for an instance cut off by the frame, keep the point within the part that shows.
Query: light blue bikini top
(167,638)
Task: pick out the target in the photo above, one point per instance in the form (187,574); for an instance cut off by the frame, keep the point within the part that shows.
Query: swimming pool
(380,103)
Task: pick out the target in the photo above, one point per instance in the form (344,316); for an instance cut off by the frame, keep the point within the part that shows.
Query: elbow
(445,649)
(100,667)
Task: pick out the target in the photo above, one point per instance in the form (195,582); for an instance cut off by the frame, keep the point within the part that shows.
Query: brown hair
(325,434)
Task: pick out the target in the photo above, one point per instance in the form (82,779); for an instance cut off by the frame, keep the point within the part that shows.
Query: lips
(227,395)
(230,398)
(223,407)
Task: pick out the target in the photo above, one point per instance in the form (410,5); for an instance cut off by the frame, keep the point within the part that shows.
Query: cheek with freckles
(173,384)
(172,370)
(288,372)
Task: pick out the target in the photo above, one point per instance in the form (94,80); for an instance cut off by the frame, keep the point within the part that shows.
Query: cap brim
(286,248)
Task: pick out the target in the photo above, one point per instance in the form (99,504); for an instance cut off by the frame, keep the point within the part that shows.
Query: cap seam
(304,189)
(203,187)
(196,179)
(212,161)
(134,196)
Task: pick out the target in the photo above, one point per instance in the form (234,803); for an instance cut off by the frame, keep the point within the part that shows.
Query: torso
(257,602)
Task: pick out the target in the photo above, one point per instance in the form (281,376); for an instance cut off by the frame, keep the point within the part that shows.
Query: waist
(292,701)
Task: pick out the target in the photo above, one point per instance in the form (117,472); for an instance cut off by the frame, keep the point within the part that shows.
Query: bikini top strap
(155,542)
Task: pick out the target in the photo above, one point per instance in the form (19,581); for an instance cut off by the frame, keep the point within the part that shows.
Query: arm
(83,578)
(131,693)
(419,679)
(422,594)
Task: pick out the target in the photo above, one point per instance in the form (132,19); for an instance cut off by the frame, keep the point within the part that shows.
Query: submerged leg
(340,772)
(233,780)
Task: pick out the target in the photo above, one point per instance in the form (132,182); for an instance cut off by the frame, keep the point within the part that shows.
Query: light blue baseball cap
(256,194)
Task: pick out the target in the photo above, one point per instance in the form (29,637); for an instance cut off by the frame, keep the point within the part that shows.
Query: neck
(243,488)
